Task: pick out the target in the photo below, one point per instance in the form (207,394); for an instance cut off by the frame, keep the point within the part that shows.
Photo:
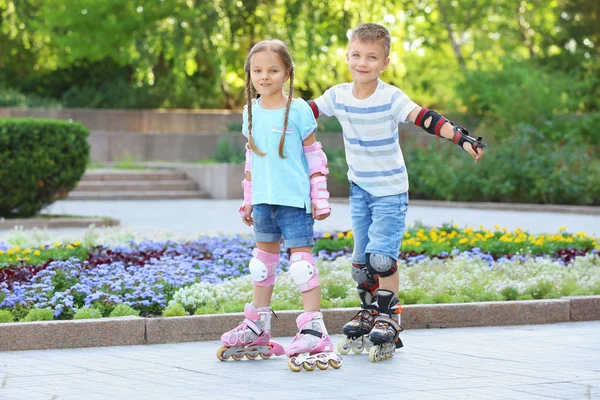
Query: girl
(285,190)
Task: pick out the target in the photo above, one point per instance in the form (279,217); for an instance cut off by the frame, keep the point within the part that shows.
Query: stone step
(131,186)
(138,195)
(132,175)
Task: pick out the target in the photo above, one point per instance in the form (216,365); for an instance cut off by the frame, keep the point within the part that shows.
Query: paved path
(559,361)
(220,215)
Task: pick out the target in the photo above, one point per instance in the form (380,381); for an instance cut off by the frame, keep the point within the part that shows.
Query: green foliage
(39,314)
(524,168)
(174,310)
(336,163)
(87,313)
(6,316)
(124,310)
(40,162)
(229,150)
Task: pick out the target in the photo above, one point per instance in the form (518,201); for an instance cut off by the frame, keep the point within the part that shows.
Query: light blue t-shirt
(276,180)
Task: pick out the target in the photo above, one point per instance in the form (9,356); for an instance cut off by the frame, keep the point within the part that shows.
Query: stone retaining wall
(135,330)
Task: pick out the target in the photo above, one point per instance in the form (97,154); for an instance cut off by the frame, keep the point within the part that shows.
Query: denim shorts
(273,222)
(378,223)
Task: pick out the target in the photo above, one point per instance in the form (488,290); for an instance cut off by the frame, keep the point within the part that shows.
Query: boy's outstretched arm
(434,123)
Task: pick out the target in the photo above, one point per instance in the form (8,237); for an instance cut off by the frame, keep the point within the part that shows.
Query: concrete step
(131,186)
(138,195)
(132,175)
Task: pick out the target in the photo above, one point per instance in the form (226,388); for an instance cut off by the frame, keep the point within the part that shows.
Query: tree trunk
(448,26)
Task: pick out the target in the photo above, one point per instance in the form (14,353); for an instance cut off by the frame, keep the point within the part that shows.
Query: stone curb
(546,208)
(45,223)
(136,331)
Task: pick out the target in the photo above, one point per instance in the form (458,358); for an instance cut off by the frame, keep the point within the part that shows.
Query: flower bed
(180,276)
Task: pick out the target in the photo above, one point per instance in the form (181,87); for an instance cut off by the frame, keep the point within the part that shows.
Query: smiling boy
(369,111)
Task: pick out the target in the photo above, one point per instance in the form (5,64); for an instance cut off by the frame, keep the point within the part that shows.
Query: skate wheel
(336,364)
(357,350)
(220,353)
(373,354)
(322,365)
(251,357)
(236,357)
(265,356)
(343,346)
(293,366)
(309,366)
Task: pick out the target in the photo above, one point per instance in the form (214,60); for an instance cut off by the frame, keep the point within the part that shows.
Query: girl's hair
(279,48)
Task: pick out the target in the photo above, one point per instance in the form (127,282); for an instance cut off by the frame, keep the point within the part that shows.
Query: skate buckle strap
(311,332)
(253,327)
(389,320)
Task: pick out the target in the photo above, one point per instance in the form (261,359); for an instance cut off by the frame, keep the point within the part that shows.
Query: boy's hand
(320,217)
(476,153)
(247,218)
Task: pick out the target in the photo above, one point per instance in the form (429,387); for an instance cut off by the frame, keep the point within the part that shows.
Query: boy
(369,111)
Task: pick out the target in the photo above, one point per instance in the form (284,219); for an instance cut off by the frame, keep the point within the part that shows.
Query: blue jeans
(273,222)
(378,223)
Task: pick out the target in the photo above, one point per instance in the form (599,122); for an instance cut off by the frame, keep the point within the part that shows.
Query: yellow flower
(70,247)
(36,253)
(26,259)
(27,251)
(327,235)
(463,241)
(42,246)
(406,234)
(77,243)
(349,235)
(17,249)
(1,252)
(10,252)
(56,244)
(562,228)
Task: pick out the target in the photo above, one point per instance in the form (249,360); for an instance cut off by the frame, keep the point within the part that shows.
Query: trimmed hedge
(41,160)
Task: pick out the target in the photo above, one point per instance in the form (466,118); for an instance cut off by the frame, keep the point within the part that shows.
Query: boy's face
(268,73)
(366,60)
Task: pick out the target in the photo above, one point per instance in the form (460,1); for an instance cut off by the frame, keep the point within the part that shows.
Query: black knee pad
(365,280)
(378,264)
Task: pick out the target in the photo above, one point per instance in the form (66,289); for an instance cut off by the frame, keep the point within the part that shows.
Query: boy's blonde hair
(372,33)
(278,47)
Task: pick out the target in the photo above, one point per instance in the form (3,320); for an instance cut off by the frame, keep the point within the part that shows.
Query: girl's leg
(262,294)
(312,297)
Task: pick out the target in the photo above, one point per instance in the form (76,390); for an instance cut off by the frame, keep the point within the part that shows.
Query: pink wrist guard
(247,185)
(320,195)
(248,164)
(317,160)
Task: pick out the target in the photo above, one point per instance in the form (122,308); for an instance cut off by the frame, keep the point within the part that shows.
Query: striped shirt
(370,128)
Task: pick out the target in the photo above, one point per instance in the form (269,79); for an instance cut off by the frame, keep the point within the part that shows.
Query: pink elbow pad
(247,185)
(317,160)
(248,164)
(320,195)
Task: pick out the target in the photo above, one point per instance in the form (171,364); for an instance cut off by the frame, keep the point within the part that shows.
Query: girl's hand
(247,218)
(319,217)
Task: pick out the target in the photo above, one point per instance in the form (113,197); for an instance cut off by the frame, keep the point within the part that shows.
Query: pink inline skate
(252,338)
(312,346)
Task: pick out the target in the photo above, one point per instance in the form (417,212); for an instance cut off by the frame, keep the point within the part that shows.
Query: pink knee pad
(262,267)
(303,271)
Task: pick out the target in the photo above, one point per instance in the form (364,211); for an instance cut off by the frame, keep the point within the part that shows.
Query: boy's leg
(385,238)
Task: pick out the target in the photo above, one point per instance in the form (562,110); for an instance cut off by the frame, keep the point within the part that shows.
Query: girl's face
(366,61)
(268,73)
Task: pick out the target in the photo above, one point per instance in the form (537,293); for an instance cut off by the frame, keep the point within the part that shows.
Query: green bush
(12,98)
(6,316)
(39,314)
(41,160)
(229,150)
(124,310)
(525,168)
(87,313)
(174,310)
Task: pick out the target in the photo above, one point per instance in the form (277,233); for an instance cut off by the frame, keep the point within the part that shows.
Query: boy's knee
(382,265)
